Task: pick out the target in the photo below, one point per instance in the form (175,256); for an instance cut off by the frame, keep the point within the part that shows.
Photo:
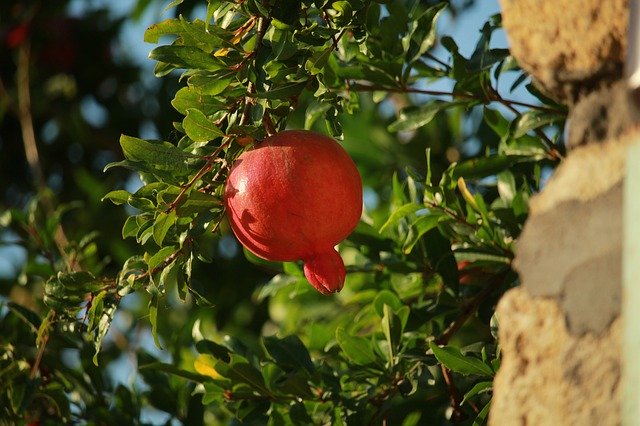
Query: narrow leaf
(153,319)
(399,214)
(451,358)
(172,369)
(413,118)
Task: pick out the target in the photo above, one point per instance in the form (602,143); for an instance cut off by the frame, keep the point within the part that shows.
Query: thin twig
(203,171)
(463,95)
(457,415)
(26,120)
(263,24)
(31,147)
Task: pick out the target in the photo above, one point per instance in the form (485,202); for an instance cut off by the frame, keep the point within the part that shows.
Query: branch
(24,114)
(263,24)
(457,415)
(31,147)
(460,95)
(203,171)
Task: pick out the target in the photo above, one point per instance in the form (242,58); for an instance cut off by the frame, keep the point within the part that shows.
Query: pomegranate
(294,197)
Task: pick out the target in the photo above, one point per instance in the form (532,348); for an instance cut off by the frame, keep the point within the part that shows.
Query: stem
(203,170)
(457,415)
(26,120)
(263,24)
(463,95)
(31,147)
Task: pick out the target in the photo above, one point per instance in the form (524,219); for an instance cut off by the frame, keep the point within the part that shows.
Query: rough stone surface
(568,46)
(571,246)
(604,114)
(584,175)
(574,252)
(549,376)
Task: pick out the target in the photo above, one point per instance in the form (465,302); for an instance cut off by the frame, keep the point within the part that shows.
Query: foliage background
(411,339)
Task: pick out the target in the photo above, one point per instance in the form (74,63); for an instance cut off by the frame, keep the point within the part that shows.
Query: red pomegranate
(294,197)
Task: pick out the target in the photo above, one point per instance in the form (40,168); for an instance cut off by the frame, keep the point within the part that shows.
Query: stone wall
(560,331)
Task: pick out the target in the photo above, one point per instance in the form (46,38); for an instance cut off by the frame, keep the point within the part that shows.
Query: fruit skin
(294,197)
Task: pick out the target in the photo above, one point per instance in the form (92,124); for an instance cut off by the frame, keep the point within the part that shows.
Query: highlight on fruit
(295,196)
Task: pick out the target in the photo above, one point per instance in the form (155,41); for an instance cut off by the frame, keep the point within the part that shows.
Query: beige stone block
(549,376)
(568,46)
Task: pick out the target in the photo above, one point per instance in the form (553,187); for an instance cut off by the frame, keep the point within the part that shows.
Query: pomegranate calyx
(325,271)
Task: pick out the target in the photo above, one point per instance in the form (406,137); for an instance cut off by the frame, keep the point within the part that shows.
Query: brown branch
(460,95)
(31,148)
(26,120)
(263,24)
(457,415)
(203,171)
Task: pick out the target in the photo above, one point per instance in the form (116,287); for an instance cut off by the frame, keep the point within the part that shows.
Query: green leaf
(484,166)
(95,312)
(173,4)
(451,358)
(212,348)
(117,197)
(357,349)
(187,57)
(199,128)
(420,226)
(399,214)
(534,119)
(289,352)
(506,186)
(392,330)
(166,27)
(479,387)
(161,226)
(482,415)
(159,257)
(153,319)
(496,121)
(188,97)
(243,372)
(109,308)
(172,369)
(314,111)
(161,155)
(422,32)
(386,297)
(283,92)
(413,118)
(211,85)
(318,60)
(130,227)
(77,280)
(524,146)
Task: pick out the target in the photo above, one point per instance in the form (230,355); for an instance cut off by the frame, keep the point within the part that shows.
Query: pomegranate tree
(294,197)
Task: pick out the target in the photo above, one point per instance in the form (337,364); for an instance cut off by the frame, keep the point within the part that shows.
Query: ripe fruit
(294,197)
